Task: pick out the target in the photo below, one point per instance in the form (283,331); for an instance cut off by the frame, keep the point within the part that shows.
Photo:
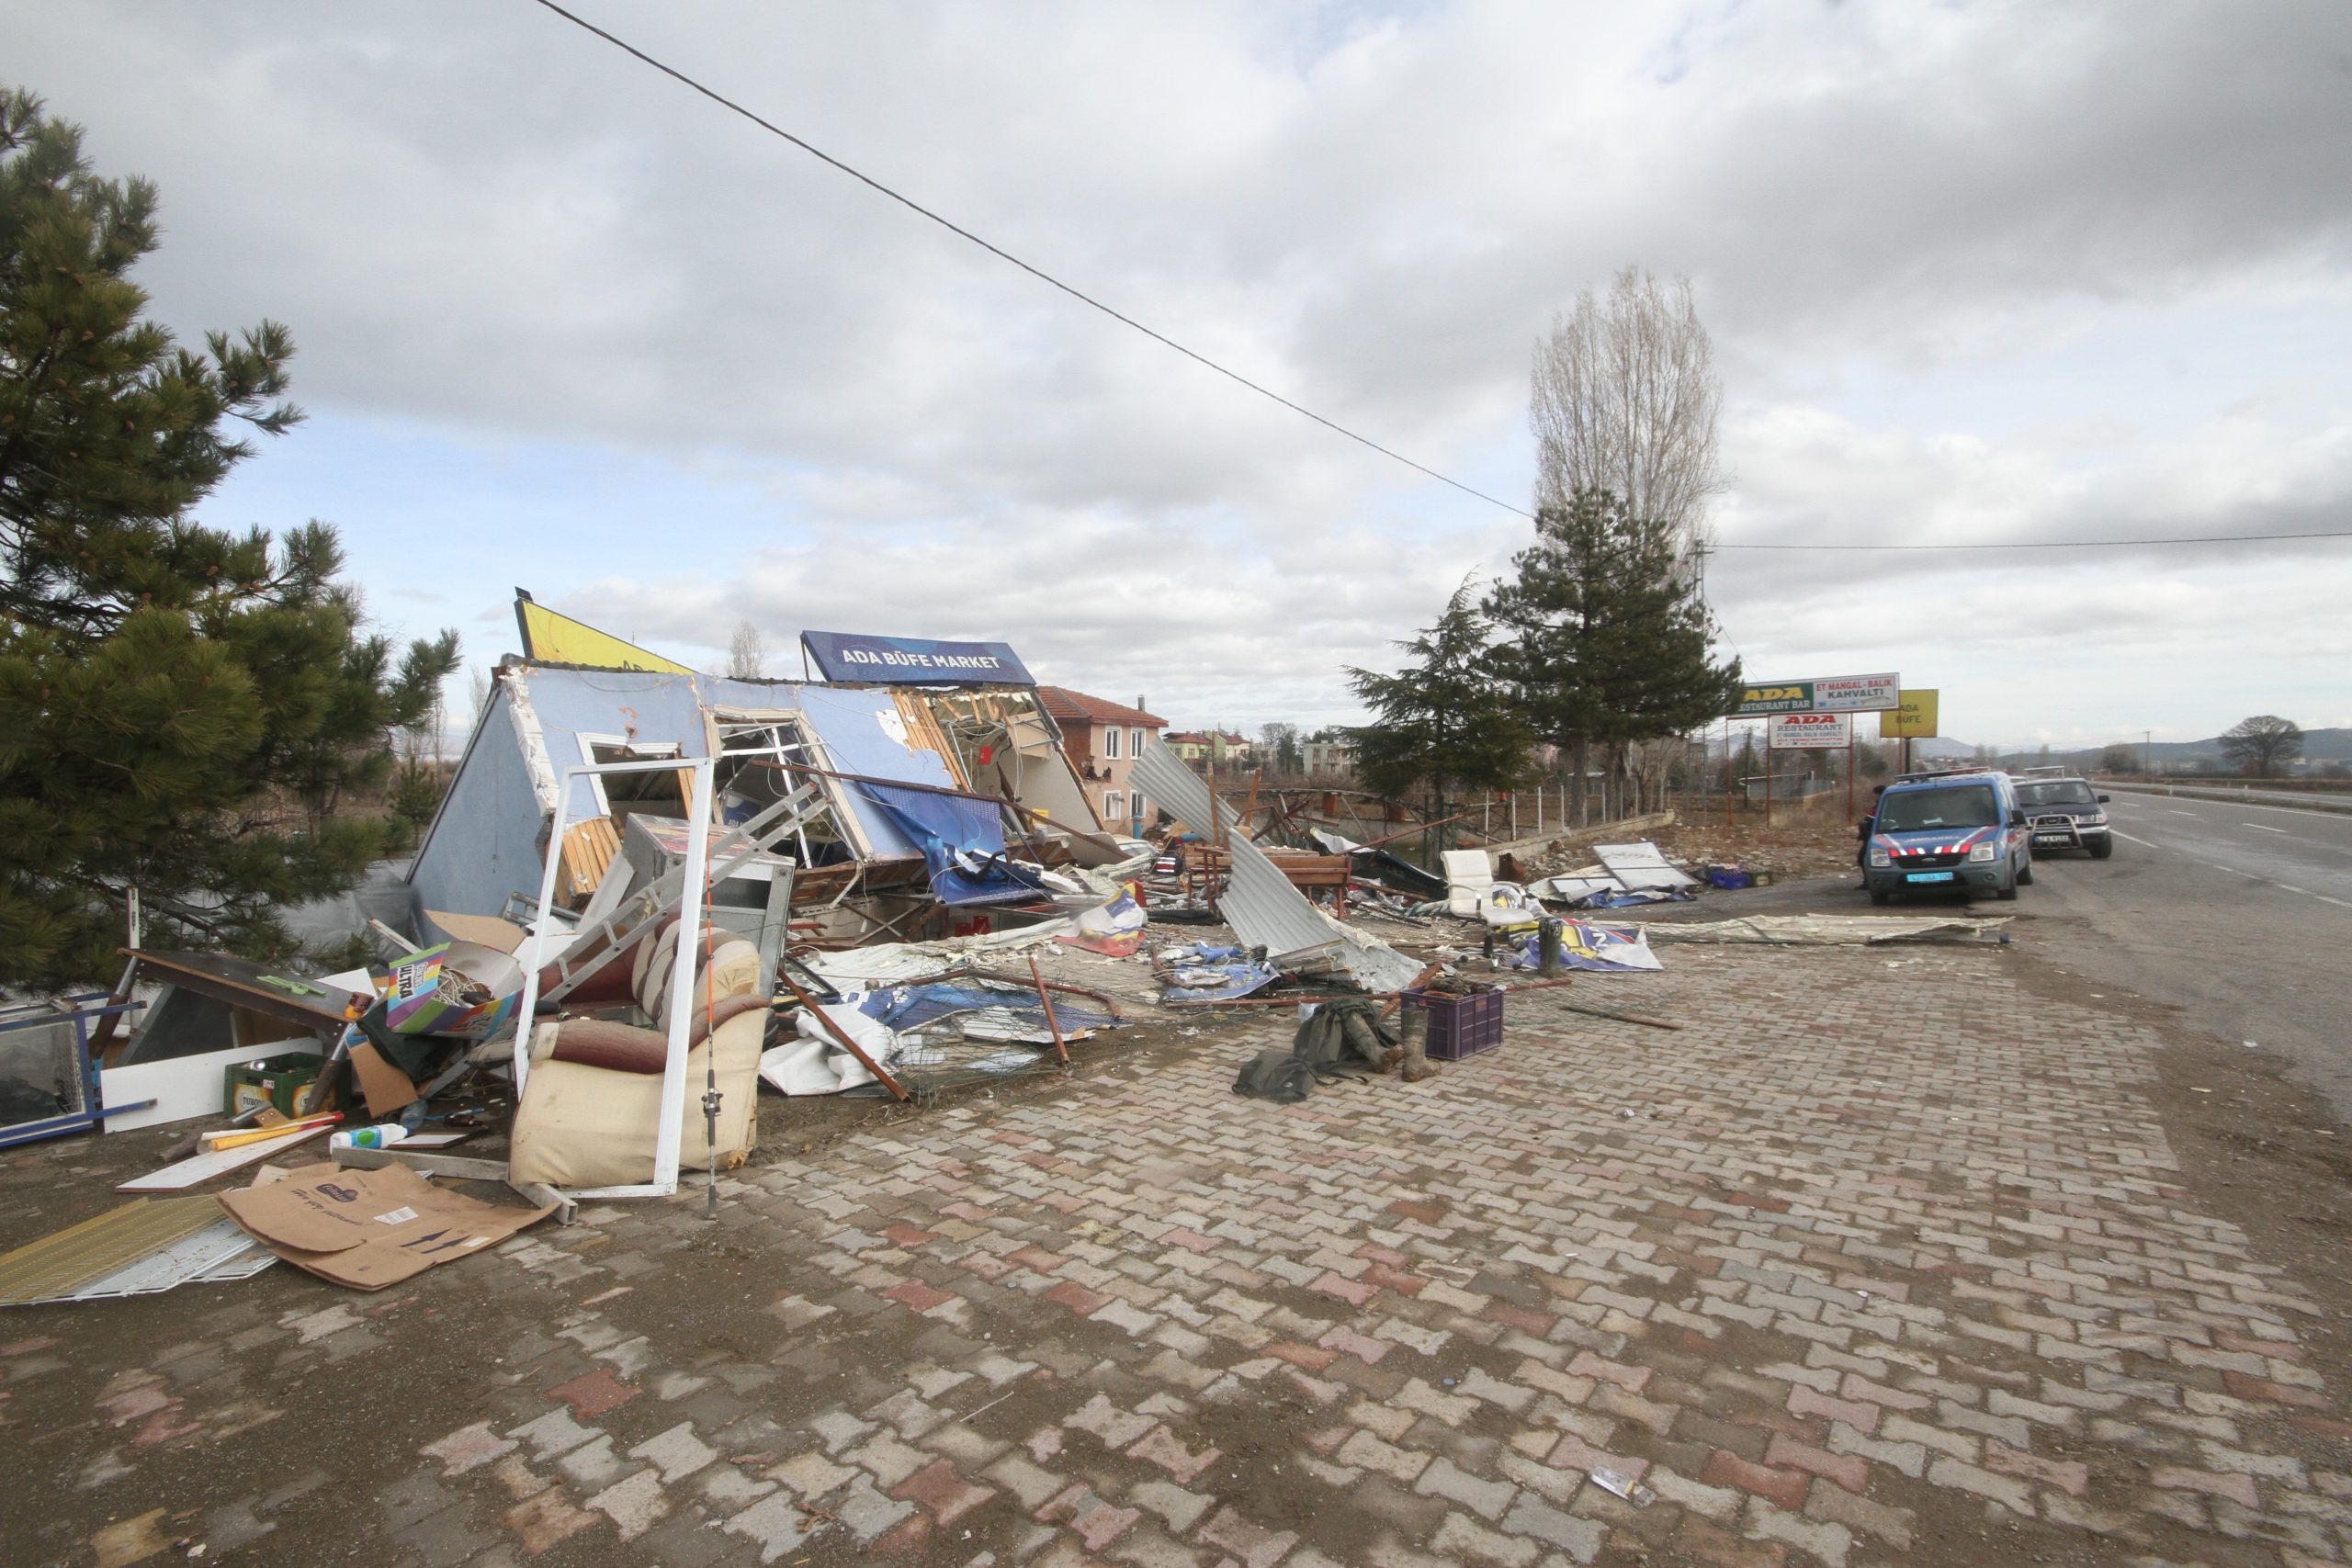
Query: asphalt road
(2240,914)
(2317,799)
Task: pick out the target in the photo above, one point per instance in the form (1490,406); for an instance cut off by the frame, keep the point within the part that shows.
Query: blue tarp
(911,1007)
(962,841)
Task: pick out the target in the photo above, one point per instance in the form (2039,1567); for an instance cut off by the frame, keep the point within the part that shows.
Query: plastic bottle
(368,1137)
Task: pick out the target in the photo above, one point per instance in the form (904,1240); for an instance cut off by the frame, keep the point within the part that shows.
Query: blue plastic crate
(1460,1026)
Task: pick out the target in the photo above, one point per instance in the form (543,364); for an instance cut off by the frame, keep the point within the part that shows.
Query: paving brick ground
(1840,1273)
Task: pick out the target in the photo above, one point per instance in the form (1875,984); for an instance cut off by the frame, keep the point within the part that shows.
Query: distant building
(1102,739)
(1328,758)
(1198,748)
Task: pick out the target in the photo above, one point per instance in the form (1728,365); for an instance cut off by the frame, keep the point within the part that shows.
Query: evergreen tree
(182,710)
(1442,723)
(1604,640)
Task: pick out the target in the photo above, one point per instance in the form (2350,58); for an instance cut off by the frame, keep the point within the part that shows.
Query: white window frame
(670,1132)
(1135,742)
(1111,743)
(1114,805)
(646,751)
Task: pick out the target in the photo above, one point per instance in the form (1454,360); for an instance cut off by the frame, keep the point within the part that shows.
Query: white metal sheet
(213,1252)
(1641,866)
(1259,901)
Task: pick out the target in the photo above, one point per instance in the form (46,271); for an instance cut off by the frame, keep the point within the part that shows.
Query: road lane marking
(2260,829)
(2176,811)
(2249,876)
(2242,805)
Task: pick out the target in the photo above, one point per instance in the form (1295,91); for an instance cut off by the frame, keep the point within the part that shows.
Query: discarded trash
(369,1229)
(1830,931)
(203,1167)
(1626,1486)
(1278,1076)
(1585,944)
(137,1248)
(377,1137)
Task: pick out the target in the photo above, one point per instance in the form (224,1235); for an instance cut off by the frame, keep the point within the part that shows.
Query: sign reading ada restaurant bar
(1843,693)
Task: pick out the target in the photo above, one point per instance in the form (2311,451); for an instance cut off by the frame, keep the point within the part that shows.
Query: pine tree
(1603,641)
(182,710)
(1441,722)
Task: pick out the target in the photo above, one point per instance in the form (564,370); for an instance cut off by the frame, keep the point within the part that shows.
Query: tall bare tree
(2263,744)
(1625,399)
(747,654)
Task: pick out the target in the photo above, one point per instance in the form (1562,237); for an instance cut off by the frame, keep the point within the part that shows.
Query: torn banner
(962,839)
(1586,945)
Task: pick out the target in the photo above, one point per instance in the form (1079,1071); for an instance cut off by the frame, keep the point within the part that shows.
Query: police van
(1956,832)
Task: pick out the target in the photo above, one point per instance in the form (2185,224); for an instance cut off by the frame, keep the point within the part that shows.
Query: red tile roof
(1077,708)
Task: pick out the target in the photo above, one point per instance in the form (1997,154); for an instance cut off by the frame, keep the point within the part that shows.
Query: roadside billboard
(1839,693)
(1808,732)
(1915,720)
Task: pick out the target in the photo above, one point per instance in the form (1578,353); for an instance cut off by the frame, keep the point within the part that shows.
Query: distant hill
(2319,746)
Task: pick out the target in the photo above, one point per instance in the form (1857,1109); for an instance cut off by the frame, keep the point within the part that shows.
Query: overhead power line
(1002,255)
(2055,544)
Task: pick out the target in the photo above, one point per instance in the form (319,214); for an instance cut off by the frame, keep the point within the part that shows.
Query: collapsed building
(921,760)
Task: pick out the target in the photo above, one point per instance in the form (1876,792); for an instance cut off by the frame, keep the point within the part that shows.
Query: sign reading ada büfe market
(1842,693)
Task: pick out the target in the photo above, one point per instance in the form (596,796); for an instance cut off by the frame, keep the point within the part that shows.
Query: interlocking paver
(1823,1288)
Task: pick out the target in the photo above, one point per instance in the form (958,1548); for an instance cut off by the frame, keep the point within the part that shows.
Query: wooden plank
(589,846)
(182,1086)
(457,1166)
(58,1264)
(842,1035)
(1045,997)
(220,1162)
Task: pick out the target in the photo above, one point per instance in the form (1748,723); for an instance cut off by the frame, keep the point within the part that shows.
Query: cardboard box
(369,1229)
(387,1089)
(459,987)
(274,1080)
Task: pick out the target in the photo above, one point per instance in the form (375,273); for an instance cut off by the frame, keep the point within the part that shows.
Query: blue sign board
(853,656)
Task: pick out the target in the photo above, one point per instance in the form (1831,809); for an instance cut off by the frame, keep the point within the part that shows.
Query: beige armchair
(591,1100)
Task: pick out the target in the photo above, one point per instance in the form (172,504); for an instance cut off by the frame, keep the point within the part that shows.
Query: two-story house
(1328,758)
(1101,739)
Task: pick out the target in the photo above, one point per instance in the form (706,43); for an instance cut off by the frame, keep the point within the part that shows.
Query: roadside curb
(2342,808)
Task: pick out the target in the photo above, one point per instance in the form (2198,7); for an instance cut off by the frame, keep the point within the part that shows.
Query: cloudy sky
(1983,272)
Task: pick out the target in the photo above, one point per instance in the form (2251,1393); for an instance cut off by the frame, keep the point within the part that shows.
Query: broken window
(756,759)
(658,792)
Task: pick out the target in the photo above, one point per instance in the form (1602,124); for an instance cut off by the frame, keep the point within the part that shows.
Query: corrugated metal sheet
(1260,903)
(1641,866)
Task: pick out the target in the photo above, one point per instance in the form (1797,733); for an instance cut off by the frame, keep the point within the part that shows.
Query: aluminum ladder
(603,941)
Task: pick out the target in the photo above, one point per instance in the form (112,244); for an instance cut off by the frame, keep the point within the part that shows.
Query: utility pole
(2147,738)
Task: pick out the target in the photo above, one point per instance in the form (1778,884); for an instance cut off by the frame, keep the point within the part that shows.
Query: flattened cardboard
(387,1088)
(369,1229)
(487,931)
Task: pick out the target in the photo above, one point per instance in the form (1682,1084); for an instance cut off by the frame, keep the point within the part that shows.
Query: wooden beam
(842,1035)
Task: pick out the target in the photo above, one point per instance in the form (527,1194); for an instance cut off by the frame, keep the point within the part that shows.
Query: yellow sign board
(1916,719)
(550,639)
